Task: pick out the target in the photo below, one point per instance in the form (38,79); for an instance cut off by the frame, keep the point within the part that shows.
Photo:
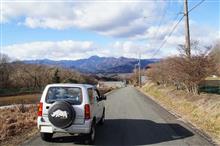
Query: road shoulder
(180,117)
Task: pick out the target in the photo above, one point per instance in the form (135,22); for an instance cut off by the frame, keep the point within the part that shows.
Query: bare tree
(183,71)
(215,53)
(5,71)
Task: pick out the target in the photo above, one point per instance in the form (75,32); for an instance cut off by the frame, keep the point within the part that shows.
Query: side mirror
(104,97)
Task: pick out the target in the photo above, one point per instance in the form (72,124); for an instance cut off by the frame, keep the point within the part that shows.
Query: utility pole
(187,33)
(139,64)
(136,73)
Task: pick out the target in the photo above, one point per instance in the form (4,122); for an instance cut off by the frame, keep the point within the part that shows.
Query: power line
(175,26)
(196,5)
(169,34)
(160,22)
(164,41)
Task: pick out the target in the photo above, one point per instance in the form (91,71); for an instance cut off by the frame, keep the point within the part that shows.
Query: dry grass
(20,99)
(203,110)
(17,124)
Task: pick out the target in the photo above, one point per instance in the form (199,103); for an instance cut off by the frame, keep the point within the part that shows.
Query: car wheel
(46,136)
(90,138)
(102,120)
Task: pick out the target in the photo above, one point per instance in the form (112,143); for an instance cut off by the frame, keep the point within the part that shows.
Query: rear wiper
(71,101)
(51,101)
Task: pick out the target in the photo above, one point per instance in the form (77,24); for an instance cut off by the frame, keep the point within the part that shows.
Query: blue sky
(60,30)
(12,34)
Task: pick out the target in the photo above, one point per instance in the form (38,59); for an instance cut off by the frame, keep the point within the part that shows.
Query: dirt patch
(17,124)
(203,110)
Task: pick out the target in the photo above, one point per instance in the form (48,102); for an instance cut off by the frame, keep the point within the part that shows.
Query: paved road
(134,119)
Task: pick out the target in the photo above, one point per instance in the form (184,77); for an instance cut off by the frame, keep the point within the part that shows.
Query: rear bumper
(45,126)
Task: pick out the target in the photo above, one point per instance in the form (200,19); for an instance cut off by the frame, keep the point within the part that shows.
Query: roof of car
(71,85)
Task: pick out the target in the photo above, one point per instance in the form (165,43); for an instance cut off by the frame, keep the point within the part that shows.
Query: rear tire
(46,136)
(90,138)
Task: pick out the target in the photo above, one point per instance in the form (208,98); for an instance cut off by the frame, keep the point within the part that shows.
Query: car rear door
(78,108)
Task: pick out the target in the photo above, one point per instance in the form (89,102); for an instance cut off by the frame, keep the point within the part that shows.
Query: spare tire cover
(61,114)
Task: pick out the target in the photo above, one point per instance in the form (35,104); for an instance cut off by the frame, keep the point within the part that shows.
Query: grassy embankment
(17,124)
(203,110)
(19,96)
(20,99)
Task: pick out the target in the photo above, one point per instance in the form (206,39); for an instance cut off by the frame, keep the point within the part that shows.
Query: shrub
(185,72)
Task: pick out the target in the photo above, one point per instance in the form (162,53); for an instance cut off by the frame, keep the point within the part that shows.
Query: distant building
(143,79)
(111,84)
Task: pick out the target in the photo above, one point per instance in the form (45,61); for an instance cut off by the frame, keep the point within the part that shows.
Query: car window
(91,97)
(70,94)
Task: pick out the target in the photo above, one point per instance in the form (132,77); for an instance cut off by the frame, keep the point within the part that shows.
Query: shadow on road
(138,132)
(67,139)
(132,132)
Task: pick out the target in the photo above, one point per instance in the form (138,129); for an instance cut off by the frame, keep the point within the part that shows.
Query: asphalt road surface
(133,119)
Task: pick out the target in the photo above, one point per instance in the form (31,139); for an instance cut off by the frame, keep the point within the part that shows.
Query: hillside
(96,64)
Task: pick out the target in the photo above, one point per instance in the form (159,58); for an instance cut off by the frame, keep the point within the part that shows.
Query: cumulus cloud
(119,19)
(130,49)
(156,35)
(72,50)
(135,20)
(59,50)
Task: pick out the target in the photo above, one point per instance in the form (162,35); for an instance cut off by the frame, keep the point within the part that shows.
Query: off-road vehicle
(70,108)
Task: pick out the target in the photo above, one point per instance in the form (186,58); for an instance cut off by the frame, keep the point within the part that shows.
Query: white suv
(70,108)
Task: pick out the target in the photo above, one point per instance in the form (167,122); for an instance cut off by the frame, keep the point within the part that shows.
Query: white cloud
(120,19)
(130,49)
(52,50)
(72,50)
(134,20)
(155,36)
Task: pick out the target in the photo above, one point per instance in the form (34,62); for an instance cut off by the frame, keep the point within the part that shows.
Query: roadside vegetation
(18,78)
(186,72)
(17,124)
(189,86)
(203,111)
(20,99)
(23,83)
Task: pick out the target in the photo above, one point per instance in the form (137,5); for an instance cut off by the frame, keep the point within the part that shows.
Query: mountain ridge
(96,64)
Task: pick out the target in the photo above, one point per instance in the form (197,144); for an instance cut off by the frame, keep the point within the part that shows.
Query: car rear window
(70,94)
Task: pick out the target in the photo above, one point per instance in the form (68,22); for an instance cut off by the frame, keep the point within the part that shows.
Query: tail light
(87,111)
(40,109)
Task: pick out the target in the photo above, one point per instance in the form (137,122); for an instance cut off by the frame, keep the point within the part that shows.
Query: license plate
(46,129)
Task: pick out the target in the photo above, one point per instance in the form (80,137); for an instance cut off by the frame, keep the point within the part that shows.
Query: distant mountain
(96,64)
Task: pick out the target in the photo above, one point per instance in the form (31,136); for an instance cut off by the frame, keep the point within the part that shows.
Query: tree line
(33,76)
(187,72)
